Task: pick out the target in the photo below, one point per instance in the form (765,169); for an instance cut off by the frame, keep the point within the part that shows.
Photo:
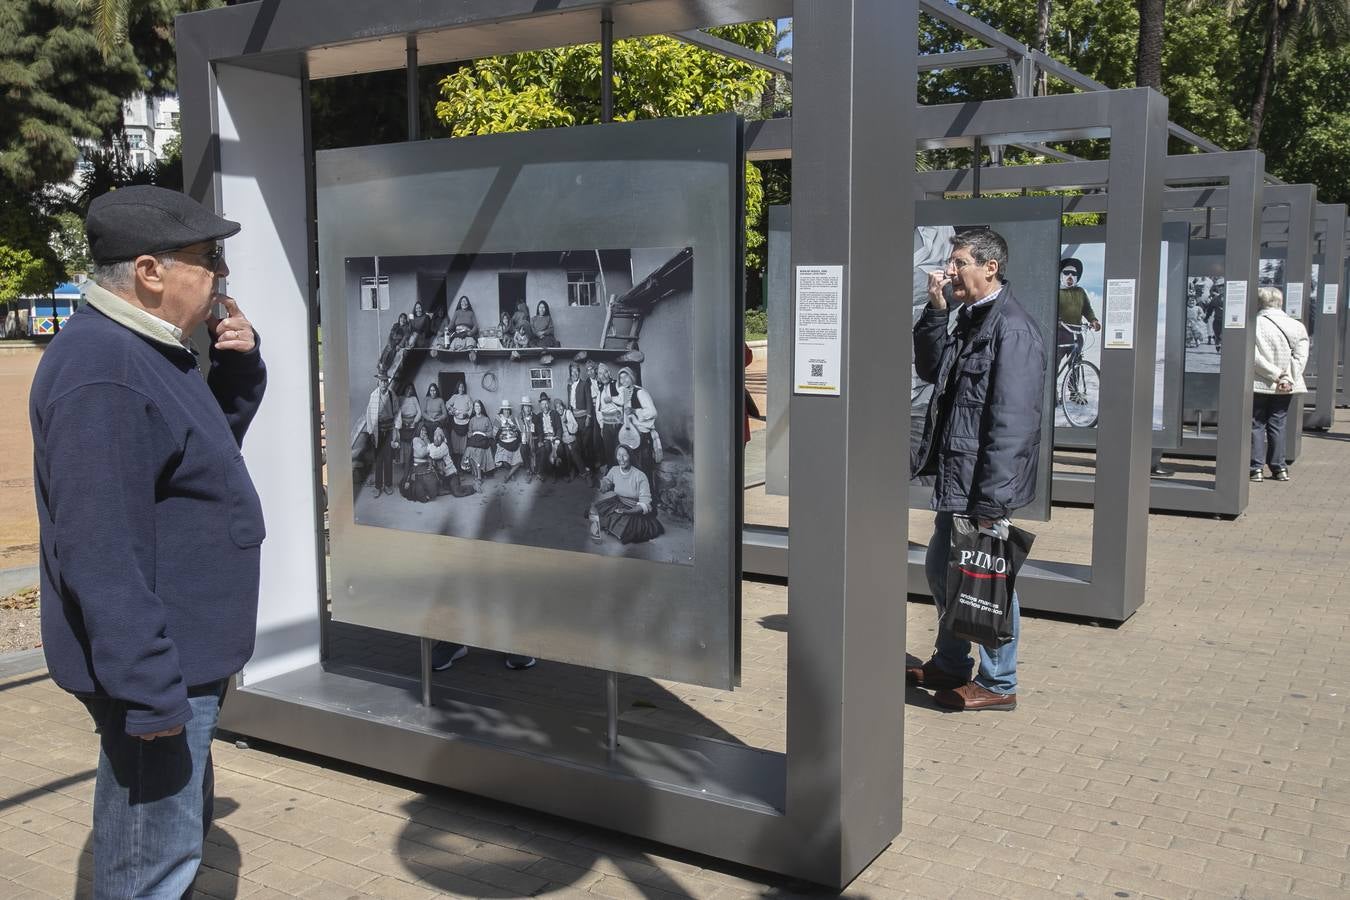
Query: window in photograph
(581,288)
(541,379)
(375,292)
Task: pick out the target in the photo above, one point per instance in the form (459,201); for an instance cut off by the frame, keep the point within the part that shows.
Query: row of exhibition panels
(342,661)
(1202,295)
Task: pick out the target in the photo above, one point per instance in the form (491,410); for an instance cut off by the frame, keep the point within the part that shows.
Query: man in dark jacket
(150,526)
(980,443)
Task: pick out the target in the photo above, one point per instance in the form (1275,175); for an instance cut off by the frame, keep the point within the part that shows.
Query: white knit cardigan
(1281,349)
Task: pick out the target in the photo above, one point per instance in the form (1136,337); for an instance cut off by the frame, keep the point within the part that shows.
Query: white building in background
(149,124)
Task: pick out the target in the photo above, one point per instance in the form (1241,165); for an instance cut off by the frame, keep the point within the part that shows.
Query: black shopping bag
(981,570)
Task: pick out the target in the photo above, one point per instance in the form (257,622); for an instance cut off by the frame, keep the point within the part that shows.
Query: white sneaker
(443,655)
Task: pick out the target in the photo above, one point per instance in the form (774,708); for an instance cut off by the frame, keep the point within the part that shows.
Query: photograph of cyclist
(1077,351)
(1075,308)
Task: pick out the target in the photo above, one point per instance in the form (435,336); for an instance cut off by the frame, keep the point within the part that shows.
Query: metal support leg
(976,154)
(612,713)
(427,644)
(414,90)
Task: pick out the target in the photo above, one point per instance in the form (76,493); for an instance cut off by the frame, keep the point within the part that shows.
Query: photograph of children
(539,398)
(1205,295)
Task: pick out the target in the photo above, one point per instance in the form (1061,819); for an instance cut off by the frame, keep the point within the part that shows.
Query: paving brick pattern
(1199,750)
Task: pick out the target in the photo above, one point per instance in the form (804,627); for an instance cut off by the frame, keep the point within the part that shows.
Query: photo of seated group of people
(570,429)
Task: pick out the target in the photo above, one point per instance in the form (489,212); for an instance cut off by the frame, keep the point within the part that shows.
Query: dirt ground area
(18,515)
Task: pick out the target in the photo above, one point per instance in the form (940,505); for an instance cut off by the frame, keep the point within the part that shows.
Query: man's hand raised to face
(234,332)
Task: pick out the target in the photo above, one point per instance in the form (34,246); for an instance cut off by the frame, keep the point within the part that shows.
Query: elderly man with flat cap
(150,526)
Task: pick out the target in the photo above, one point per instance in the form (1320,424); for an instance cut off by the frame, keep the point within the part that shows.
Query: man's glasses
(212,257)
(958,264)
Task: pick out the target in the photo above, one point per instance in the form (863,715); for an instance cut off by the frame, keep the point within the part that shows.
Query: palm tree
(111,16)
(110,23)
(1148,56)
(1042,39)
(1320,20)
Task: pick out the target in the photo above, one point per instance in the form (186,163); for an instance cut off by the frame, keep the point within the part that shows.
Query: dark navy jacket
(150,525)
(981,441)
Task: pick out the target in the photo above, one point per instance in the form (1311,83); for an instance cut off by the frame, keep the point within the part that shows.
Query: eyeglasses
(211,257)
(1068,272)
(959,264)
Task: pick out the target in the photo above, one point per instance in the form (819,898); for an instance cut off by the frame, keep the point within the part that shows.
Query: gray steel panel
(1331,225)
(338,38)
(853,92)
(1169,436)
(706,795)
(665,183)
(778,283)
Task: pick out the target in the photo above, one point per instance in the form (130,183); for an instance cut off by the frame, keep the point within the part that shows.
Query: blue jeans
(153,801)
(998,668)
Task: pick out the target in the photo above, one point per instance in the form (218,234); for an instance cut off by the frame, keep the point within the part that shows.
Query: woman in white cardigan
(1281,355)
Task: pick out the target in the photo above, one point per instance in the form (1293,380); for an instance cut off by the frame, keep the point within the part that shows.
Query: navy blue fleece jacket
(150,525)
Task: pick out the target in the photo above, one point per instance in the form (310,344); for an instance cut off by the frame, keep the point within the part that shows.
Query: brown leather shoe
(930,676)
(972,696)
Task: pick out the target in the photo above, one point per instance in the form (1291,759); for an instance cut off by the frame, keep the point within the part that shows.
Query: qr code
(817,370)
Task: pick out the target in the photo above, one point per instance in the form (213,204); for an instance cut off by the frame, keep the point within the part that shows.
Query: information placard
(1293,299)
(1120,295)
(1330,296)
(1235,305)
(820,313)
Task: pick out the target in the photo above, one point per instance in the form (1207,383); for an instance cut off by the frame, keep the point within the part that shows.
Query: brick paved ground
(1199,750)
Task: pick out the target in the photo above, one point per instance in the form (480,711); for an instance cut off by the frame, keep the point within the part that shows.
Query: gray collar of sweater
(132,317)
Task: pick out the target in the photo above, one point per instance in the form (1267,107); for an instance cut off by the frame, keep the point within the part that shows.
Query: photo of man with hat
(380,426)
(150,525)
(1074,308)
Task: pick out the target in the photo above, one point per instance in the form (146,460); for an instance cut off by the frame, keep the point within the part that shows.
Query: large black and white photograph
(1206,293)
(541,398)
(1078,351)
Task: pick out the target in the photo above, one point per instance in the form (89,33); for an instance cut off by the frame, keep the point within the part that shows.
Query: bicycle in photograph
(1077,381)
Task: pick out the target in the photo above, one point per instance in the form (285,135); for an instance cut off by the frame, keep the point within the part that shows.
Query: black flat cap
(132,221)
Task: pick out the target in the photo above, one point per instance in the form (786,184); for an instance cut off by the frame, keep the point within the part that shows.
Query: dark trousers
(1269,412)
(585,445)
(609,439)
(384,459)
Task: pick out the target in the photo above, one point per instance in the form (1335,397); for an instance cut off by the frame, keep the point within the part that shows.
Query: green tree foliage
(58,86)
(1200,62)
(654,77)
(58,89)
(69,243)
(1306,135)
(1211,61)
(28,264)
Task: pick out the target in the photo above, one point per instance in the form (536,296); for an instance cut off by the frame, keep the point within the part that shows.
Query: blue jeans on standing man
(998,668)
(153,800)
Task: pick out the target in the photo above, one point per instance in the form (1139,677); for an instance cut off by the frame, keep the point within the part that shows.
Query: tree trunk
(1266,75)
(1148,57)
(1042,39)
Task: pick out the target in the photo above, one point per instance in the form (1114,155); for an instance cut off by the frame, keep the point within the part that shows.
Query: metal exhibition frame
(1135,120)
(1242,172)
(827,807)
(1288,222)
(1175,235)
(1328,242)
